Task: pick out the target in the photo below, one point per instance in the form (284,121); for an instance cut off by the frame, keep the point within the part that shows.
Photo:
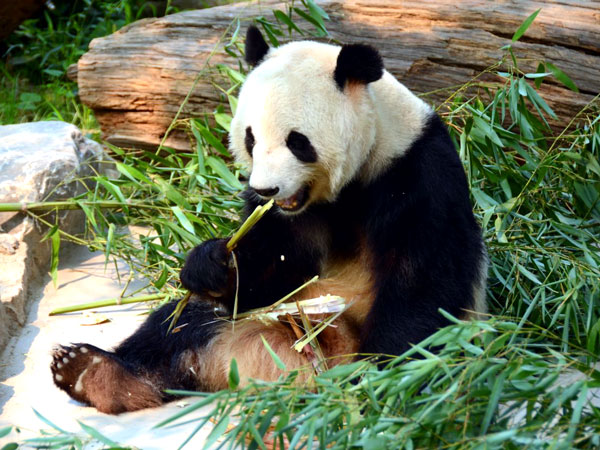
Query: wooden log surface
(136,79)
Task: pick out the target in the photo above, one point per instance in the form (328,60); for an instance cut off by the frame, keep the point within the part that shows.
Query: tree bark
(136,79)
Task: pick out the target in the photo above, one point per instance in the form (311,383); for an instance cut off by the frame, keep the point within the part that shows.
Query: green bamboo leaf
(57,442)
(54,235)
(89,213)
(541,68)
(284,18)
(217,432)
(171,193)
(317,23)
(276,359)
(593,338)
(315,10)
(211,139)
(523,28)
(5,431)
(117,150)
(234,375)
(487,129)
(112,188)
(199,149)
(97,435)
(224,120)
(500,437)
(48,422)
(492,402)
(539,101)
(132,173)
(235,75)
(582,400)
(270,32)
(183,220)
(483,199)
(258,433)
(562,77)
(179,232)
(528,274)
(11,446)
(163,277)
(537,75)
(342,370)
(209,399)
(223,172)
(522,87)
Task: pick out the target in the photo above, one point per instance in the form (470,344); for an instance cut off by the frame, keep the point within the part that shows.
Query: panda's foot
(70,365)
(98,378)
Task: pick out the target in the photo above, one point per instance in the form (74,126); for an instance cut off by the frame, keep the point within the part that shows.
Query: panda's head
(304,122)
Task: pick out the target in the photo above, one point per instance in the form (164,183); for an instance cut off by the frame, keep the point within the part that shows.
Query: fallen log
(136,79)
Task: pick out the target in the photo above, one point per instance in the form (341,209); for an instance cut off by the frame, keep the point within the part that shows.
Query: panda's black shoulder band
(358,63)
(256,46)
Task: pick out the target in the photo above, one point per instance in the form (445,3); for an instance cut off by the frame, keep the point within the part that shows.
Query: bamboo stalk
(107,302)
(68,205)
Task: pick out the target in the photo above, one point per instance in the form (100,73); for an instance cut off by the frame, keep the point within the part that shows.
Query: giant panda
(370,195)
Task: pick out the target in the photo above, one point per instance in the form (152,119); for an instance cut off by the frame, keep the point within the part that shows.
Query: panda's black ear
(256,46)
(358,63)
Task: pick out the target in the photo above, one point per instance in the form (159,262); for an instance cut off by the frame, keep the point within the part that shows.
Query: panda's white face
(302,137)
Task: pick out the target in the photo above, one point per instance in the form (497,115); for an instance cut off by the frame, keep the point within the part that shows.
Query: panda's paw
(70,366)
(206,270)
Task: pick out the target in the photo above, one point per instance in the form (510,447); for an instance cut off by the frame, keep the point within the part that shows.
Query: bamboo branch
(68,205)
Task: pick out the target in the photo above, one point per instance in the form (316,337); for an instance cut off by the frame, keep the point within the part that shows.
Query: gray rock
(39,161)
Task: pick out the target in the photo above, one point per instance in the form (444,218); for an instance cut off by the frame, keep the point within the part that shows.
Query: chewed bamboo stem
(248,224)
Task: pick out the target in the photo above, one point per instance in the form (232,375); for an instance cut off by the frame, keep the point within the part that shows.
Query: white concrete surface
(25,377)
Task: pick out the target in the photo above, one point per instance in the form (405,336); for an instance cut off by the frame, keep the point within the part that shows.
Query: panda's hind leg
(245,344)
(99,378)
(136,374)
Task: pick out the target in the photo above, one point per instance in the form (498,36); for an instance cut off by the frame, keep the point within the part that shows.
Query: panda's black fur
(415,219)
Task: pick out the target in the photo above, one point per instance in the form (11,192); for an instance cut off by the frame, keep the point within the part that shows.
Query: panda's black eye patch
(249,140)
(301,147)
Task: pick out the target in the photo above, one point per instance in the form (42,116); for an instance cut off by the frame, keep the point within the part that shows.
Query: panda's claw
(60,352)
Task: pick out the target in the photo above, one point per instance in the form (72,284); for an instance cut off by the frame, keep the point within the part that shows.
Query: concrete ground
(25,363)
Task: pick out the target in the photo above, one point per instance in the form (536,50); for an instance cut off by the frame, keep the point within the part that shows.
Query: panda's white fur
(352,130)
(387,225)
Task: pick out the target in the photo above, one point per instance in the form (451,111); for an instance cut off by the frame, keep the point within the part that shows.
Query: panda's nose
(268,192)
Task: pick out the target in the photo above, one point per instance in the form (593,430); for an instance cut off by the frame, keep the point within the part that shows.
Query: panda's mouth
(296,201)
